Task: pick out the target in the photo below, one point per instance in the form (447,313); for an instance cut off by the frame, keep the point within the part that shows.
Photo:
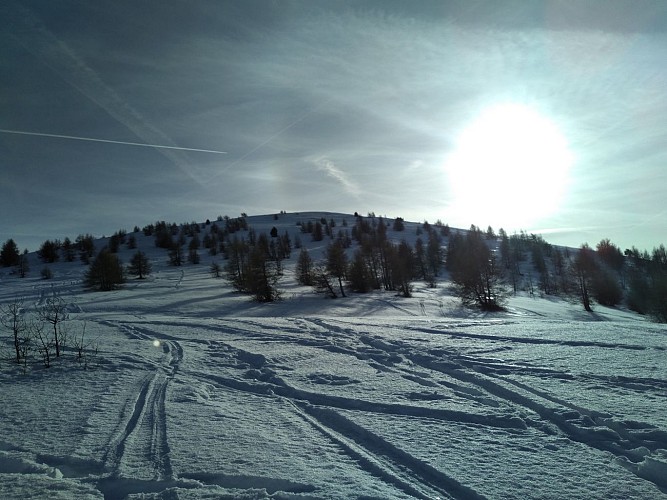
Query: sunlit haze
(510,167)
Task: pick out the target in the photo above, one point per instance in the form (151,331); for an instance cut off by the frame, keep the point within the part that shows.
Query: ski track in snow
(479,380)
(247,356)
(143,437)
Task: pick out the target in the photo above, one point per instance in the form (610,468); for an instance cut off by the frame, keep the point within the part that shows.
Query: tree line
(483,267)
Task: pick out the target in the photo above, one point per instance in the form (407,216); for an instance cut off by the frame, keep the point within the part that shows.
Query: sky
(421,110)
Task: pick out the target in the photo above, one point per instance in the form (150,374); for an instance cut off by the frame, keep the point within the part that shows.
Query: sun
(510,168)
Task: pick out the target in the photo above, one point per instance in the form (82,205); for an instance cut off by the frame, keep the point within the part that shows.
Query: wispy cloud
(333,171)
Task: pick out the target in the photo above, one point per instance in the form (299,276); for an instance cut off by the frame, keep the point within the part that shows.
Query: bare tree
(54,312)
(216,269)
(12,318)
(582,270)
(324,281)
(475,275)
(46,342)
(84,348)
(336,263)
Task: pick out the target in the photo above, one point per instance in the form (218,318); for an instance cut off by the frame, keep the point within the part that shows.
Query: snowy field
(197,393)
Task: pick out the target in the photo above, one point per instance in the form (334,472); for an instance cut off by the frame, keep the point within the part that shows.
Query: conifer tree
(105,272)
(139,265)
(304,268)
(9,255)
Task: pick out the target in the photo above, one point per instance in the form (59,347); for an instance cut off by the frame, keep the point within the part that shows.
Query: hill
(174,281)
(178,386)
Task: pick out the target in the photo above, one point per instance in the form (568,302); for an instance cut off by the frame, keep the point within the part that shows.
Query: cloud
(330,168)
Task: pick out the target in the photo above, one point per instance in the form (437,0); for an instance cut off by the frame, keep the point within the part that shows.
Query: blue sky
(324,105)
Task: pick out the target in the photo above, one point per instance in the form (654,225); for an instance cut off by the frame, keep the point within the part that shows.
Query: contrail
(92,139)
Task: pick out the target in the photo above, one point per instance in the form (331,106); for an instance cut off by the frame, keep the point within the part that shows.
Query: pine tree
(176,253)
(9,255)
(139,265)
(105,272)
(304,268)
(48,251)
(318,232)
(68,250)
(86,247)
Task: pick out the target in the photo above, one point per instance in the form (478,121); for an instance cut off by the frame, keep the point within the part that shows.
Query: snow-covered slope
(194,391)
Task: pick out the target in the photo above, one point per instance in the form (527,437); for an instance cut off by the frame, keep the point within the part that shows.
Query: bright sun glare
(509,169)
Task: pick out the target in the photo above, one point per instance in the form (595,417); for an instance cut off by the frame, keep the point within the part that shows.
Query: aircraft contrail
(92,139)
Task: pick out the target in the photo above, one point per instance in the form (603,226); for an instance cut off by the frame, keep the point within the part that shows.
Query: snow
(196,392)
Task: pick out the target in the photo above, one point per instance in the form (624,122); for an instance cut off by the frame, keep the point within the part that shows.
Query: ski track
(597,430)
(375,455)
(138,455)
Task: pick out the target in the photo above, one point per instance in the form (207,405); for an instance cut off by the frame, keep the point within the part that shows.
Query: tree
(86,246)
(176,253)
(237,251)
(9,255)
(46,342)
(216,269)
(433,254)
(48,251)
(11,317)
(304,268)
(54,312)
(420,259)
(318,232)
(477,279)
(582,270)
(610,254)
(262,274)
(359,275)
(658,299)
(68,250)
(105,272)
(648,283)
(606,288)
(323,281)
(336,263)
(402,264)
(139,265)
(193,247)
(251,270)
(24,265)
